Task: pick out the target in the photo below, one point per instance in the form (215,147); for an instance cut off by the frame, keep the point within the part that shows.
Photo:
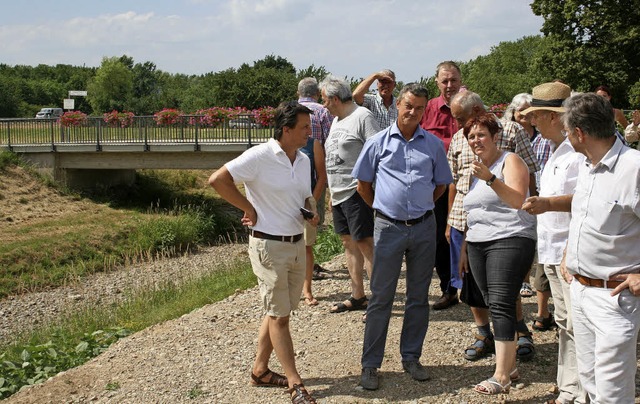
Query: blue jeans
(499,268)
(454,252)
(392,242)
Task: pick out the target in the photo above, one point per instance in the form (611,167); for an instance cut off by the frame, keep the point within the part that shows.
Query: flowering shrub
(213,117)
(168,117)
(498,109)
(264,116)
(73,118)
(118,119)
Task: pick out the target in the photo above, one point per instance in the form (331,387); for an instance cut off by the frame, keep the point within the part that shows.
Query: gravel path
(206,356)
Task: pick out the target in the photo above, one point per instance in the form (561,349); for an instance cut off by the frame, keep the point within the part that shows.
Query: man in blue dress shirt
(409,168)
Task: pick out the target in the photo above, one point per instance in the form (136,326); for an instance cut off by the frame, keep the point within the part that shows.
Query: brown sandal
(300,395)
(276,380)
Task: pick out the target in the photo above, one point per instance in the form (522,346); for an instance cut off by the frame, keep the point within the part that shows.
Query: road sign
(77,93)
(69,103)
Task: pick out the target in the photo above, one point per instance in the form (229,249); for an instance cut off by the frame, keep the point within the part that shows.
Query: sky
(350,38)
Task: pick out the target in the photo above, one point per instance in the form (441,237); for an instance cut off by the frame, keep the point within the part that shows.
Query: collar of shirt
(275,147)
(394,130)
(440,103)
(306,99)
(381,101)
(610,159)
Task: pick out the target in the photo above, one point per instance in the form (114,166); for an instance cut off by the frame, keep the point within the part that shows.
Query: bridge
(95,152)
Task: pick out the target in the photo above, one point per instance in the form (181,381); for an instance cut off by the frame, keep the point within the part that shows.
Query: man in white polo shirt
(277,180)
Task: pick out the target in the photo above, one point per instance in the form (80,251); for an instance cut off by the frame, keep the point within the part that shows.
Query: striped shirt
(384,116)
(542,149)
(512,137)
(320,119)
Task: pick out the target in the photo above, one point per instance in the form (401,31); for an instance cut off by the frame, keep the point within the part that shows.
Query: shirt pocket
(606,216)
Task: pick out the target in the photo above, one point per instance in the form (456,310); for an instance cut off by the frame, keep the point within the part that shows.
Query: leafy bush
(168,117)
(264,116)
(8,159)
(328,245)
(73,118)
(115,119)
(37,363)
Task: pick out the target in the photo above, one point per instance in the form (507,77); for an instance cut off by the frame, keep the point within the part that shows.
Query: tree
(111,87)
(592,42)
(9,102)
(145,89)
(312,71)
(510,68)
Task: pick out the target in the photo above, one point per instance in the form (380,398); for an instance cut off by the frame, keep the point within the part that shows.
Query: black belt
(286,239)
(409,222)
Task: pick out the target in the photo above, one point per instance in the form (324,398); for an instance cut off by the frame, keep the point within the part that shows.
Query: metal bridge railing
(191,129)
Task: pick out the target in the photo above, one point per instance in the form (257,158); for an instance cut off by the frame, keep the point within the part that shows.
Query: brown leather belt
(409,222)
(285,239)
(597,283)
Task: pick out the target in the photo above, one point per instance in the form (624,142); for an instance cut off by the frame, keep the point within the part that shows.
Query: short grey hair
(517,102)
(389,72)
(334,86)
(591,113)
(467,100)
(308,87)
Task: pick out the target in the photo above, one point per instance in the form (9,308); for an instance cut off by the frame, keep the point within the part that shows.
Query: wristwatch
(490,181)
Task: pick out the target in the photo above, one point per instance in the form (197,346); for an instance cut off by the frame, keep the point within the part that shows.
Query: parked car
(50,113)
(243,123)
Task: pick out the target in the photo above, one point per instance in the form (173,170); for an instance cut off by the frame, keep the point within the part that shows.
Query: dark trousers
(443,258)
(392,243)
(499,267)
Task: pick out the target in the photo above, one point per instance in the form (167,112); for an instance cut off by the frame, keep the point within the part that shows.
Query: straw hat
(549,97)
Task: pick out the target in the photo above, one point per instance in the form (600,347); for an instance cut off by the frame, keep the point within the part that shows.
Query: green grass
(165,213)
(84,333)
(328,245)
(162,214)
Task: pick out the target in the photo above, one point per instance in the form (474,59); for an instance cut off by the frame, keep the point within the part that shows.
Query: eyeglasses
(565,133)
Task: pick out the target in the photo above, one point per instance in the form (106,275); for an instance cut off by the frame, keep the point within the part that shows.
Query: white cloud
(352,38)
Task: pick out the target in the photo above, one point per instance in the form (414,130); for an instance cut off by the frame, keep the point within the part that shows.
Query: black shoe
(446,300)
(416,370)
(369,379)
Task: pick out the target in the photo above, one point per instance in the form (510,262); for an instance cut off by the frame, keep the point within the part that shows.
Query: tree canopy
(592,42)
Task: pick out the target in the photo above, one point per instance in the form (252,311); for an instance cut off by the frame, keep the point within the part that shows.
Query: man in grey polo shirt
(277,180)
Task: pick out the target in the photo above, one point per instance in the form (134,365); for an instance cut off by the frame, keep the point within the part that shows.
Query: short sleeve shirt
(276,188)
(385,116)
(342,148)
(405,173)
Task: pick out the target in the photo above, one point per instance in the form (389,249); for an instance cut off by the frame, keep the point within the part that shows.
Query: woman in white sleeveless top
(499,241)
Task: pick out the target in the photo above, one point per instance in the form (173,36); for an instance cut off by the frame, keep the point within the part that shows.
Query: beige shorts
(280,269)
(310,234)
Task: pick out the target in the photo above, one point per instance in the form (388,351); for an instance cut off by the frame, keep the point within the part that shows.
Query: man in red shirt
(438,120)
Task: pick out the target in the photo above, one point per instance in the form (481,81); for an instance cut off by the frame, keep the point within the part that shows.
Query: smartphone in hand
(306,213)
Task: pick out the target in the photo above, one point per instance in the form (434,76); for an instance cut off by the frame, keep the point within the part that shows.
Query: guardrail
(144,131)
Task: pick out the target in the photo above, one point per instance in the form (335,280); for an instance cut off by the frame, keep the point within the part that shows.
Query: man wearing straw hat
(557,181)
(602,256)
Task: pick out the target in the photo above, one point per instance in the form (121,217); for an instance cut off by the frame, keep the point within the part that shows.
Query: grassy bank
(162,214)
(86,332)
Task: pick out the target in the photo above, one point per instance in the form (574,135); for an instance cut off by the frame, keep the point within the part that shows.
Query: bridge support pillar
(91,178)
